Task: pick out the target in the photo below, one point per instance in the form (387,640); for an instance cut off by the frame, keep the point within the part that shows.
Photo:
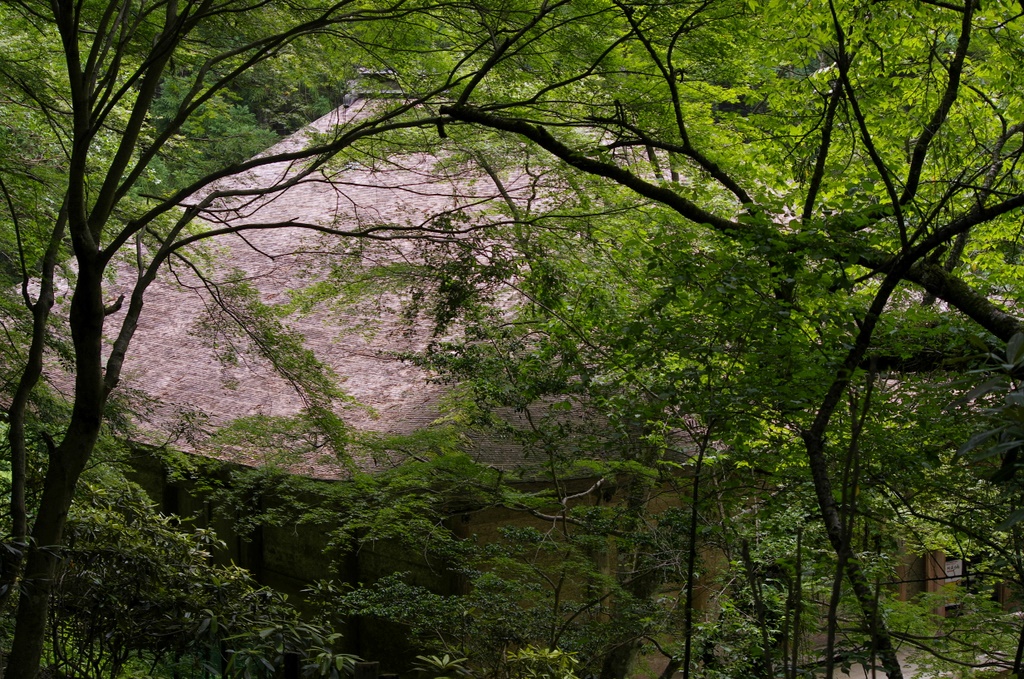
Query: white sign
(954,569)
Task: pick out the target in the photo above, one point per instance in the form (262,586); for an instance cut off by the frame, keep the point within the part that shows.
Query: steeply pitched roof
(174,365)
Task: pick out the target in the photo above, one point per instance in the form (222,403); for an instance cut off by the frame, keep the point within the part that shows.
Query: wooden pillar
(935,575)
(903,570)
(367,670)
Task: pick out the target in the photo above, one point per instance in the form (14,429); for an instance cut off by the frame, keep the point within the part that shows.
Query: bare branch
(545,140)
(942,110)
(317,154)
(823,150)
(843,62)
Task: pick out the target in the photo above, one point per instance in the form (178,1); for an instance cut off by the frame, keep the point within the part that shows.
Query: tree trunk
(814,444)
(763,667)
(41,563)
(691,557)
(855,574)
(66,463)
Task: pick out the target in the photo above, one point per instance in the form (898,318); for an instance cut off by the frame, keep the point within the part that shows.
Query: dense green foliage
(137,594)
(747,299)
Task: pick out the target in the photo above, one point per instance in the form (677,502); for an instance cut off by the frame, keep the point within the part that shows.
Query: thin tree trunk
(691,560)
(832,621)
(878,596)
(10,563)
(759,610)
(862,589)
(814,444)
(1018,659)
(798,602)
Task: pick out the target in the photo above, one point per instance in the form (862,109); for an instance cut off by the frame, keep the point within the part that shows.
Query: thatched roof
(179,369)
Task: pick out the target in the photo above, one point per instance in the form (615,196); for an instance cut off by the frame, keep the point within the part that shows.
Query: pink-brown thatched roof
(175,365)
